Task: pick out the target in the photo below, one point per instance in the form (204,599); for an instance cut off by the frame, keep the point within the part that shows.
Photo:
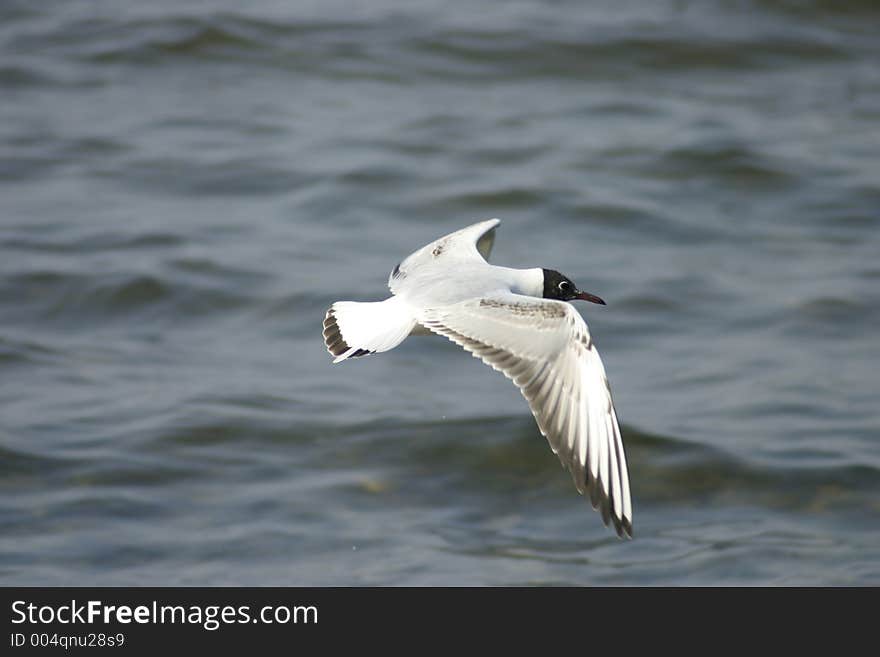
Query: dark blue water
(186,186)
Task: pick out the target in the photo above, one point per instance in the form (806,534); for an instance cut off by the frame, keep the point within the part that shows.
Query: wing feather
(579,453)
(468,244)
(545,348)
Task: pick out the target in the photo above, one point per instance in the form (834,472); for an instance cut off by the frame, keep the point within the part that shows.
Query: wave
(663,469)
(85,298)
(401,44)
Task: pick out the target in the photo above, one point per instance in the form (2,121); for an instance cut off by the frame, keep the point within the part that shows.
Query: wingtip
(602,503)
(488,224)
(623,527)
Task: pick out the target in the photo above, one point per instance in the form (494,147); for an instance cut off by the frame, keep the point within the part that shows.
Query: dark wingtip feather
(604,505)
(595,489)
(623,527)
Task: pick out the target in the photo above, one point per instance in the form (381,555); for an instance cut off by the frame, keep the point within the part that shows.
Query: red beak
(586,296)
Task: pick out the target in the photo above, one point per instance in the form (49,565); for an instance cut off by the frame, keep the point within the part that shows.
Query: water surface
(185,187)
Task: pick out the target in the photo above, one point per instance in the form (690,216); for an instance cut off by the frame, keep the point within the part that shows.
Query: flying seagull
(519,322)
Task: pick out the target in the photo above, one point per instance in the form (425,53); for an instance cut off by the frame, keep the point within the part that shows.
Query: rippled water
(186,186)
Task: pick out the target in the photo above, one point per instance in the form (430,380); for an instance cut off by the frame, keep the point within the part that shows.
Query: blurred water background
(186,186)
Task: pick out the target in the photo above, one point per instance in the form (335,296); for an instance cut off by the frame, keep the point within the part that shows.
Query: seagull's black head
(557,286)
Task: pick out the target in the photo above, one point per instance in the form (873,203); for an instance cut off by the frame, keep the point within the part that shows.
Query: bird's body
(466,281)
(517,321)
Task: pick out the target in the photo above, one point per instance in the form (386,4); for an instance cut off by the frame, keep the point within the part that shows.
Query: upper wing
(473,242)
(544,346)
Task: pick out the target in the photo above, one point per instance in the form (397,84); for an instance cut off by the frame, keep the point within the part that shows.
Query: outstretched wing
(544,346)
(468,244)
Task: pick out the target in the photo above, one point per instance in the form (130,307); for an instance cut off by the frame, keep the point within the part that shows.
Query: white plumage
(501,316)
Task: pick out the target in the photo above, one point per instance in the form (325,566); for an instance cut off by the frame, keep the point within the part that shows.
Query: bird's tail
(353,329)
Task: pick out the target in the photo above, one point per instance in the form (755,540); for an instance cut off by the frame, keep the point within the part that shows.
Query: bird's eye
(565,286)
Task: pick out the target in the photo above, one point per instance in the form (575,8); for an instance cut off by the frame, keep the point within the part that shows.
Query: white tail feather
(353,329)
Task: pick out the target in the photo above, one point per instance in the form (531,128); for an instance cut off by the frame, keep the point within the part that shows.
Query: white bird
(517,321)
